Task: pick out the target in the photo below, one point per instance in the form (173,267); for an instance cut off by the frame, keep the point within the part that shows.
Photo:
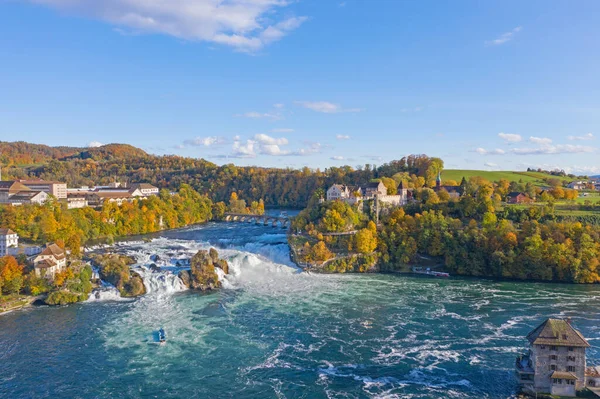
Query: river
(274,332)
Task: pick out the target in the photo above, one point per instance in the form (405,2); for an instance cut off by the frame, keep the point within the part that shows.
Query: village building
(8,239)
(455,192)
(578,185)
(50,261)
(518,198)
(28,197)
(76,200)
(54,188)
(145,188)
(556,361)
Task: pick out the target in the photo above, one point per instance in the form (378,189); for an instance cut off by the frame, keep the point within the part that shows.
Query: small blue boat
(162,336)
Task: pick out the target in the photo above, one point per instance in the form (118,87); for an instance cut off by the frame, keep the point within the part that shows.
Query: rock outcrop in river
(115,270)
(202,275)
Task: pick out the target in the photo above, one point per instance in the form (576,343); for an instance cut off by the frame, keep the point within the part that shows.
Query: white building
(29,197)
(577,185)
(50,261)
(8,239)
(145,188)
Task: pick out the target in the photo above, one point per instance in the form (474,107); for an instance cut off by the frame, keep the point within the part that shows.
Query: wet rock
(223,265)
(214,255)
(185,278)
(155,268)
(134,287)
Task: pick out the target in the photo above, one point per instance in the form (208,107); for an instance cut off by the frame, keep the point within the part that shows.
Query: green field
(526,177)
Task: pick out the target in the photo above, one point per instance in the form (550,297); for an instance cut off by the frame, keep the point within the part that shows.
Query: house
(76,200)
(50,261)
(577,185)
(145,188)
(54,188)
(556,361)
(29,197)
(8,239)
(517,198)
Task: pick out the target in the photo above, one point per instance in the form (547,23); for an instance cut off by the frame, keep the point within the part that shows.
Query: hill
(20,153)
(537,178)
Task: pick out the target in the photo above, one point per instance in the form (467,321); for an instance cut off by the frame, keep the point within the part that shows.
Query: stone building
(556,361)
(374,190)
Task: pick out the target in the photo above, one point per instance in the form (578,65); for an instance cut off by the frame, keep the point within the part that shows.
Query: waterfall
(159,282)
(106,292)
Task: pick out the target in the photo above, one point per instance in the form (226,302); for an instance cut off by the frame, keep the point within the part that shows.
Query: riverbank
(8,305)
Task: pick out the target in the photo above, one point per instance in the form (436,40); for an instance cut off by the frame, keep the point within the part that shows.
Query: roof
(557,332)
(564,375)
(144,186)
(593,371)
(25,195)
(451,189)
(53,250)
(373,184)
(45,264)
(118,194)
(6,232)
(515,194)
(38,181)
(12,186)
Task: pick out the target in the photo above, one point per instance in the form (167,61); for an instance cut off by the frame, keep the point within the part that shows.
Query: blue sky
(483,85)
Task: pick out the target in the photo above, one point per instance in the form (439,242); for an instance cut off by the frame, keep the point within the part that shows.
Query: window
(553,348)
(564,337)
(572,382)
(570,358)
(571,368)
(542,346)
(553,367)
(592,383)
(553,357)
(571,349)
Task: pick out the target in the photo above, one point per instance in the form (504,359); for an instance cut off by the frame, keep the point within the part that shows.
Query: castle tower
(438,181)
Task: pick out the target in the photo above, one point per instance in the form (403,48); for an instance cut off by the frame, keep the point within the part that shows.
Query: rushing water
(274,332)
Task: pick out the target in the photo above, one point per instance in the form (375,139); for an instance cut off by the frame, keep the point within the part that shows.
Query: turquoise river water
(273,332)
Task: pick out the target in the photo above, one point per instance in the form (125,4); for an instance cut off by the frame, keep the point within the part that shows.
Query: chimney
(568,320)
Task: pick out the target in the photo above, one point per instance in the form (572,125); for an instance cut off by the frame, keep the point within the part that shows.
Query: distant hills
(22,153)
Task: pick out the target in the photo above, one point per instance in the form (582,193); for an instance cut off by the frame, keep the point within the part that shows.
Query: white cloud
(244,150)
(540,140)
(282,130)
(337,158)
(554,149)
(204,141)
(268,140)
(246,25)
(259,115)
(311,148)
(94,144)
(491,164)
(510,138)
(342,137)
(325,107)
(279,106)
(588,136)
(483,151)
(503,38)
